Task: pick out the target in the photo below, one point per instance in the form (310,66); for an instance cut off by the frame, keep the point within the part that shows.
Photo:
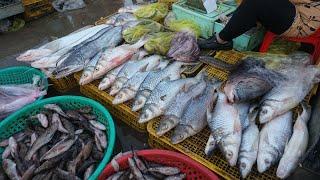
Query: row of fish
(140,168)
(15,96)
(63,144)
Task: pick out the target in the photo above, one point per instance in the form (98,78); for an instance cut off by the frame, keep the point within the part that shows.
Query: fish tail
(306,111)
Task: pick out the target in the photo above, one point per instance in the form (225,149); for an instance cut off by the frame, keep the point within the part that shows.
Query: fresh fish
(82,156)
(166,170)
(13,145)
(19,136)
(224,123)
(243,109)
(84,166)
(80,57)
(51,163)
(248,149)
(116,175)
(250,80)
(6,153)
(176,177)
(297,144)
(131,68)
(56,108)
(42,140)
(101,136)
(56,119)
(42,118)
(29,173)
(88,172)
(193,119)
(109,79)
(135,170)
(273,137)
(75,115)
(288,94)
(59,148)
(130,88)
(171,72)
(115,57)
(65,175)
(140,164)
(68,125)
(98,125)
(174,112)
(87,74)
(51,47)
(10,169)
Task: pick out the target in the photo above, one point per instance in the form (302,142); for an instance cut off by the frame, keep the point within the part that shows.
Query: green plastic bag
(159,43)
(132,35)
(185,25)
(155,11)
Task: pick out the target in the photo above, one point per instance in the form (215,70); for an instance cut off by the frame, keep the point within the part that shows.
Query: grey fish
(248,149)
(130,88)
(67,125)
(88,172)
(194,117)
(135,170)
(59,148)
(42,140)
(42,118)
(132,67)
(80,57)
(56,119)
(165,170)
(87,74)
(116,175)
(66,175)
(163,94)
(174,112)
(297,144)
(10,169)
(98,125)
(29,173)
(224,123)
(109,78)
(19,136)
(82,156)
(85,109)
(273,137)
(13,145)
(172,72)
(101,136)
(56,108)
(288,94)
(250,80)
(176,177)
(6,153)
(243,109)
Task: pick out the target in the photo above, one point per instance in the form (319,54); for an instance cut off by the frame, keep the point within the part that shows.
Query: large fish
(248,149)
(131,68)
(288,94)
(130,88)
(115,57)
(273,137)
(225,126)
(61,43)
(194,118)
(79,57)
(174,112)
(297,144)
(250,80)
(172,72)
(87,74)
(161,97)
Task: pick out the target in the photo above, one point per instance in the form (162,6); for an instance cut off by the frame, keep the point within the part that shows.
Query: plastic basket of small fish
(254,95)
(61,137)
(155,164)
(19,86)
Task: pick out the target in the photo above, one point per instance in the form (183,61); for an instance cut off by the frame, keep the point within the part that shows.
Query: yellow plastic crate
(121,112)
(63,84)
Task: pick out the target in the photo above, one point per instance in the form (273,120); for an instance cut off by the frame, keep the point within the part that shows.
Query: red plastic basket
(193,169)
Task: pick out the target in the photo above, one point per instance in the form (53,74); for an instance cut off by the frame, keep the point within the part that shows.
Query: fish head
(86,78)
(230,147)
(180,133)
(266,114)
(140,101)
(98,71)
(166,125)
(34,54)
(245,166)
(149,112)
(286,166)
(210,146)
(123,96)
(106,82)
(264,161)
(116,88)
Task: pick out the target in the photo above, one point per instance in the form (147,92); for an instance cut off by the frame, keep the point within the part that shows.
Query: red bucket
(193,169)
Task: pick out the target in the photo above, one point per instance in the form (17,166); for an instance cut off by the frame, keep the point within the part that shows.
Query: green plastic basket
(21,75)
(17,121)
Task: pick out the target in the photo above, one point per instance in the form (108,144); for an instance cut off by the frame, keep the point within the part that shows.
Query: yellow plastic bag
(132,35)
(185,25)
(159,43)
(155,11)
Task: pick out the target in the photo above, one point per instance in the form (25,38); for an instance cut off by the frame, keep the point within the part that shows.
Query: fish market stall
(215,114)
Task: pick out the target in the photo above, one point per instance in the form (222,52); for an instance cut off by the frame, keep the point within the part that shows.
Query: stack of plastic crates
(34,9)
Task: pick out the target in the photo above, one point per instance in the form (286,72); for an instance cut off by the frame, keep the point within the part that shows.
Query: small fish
(29,173)
(10,169)
(176,177)
(85,165)
(82,156)
(42,140)
(89,116)
(101,136)
(116,175)
(73,114)
(68,125)
(88,172)
(98,125)
(59,148)
(135,170)
(66,175)
(56,119)
(42,118)
(19,137)
(85,109)
(34,137)
(109,78)
(140,164)
(168,171)
(6,153)
(55,108)
(13,146)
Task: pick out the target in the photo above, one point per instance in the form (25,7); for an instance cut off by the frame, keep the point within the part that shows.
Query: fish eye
(181,136)
(165,126)
(264,111)
(243,165)
(267,161)
(229,154)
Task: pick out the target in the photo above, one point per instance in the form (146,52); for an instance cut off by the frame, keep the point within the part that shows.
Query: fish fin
(143,68)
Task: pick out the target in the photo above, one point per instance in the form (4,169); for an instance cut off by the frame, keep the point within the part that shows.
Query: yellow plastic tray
(64,84)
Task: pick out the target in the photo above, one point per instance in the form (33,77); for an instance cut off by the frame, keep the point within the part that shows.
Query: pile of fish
(140,168)
(67,144)
(15,96)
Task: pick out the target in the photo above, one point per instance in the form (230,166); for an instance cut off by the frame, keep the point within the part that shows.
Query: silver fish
(273,137)
(130,88)
(176,177)
(59,148)
(162,96)
(87,74)
(225,126)
(243,109)
(288,94)
(56,119)
(10,169)
(88,172)
(42,118)
(19,136)
(194,118)
(109,79)
(98,125)
(135,170)
(174,112)
(13,146)
(297,144)
(6,153)
(172,72)
(248,149)
(55,108)
(165,170)
(101,136)
(131,68)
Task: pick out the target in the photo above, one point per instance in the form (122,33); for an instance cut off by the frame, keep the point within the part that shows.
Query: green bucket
(21,75)
(18,121)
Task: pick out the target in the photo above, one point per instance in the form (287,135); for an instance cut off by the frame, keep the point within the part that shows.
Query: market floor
(42,30)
